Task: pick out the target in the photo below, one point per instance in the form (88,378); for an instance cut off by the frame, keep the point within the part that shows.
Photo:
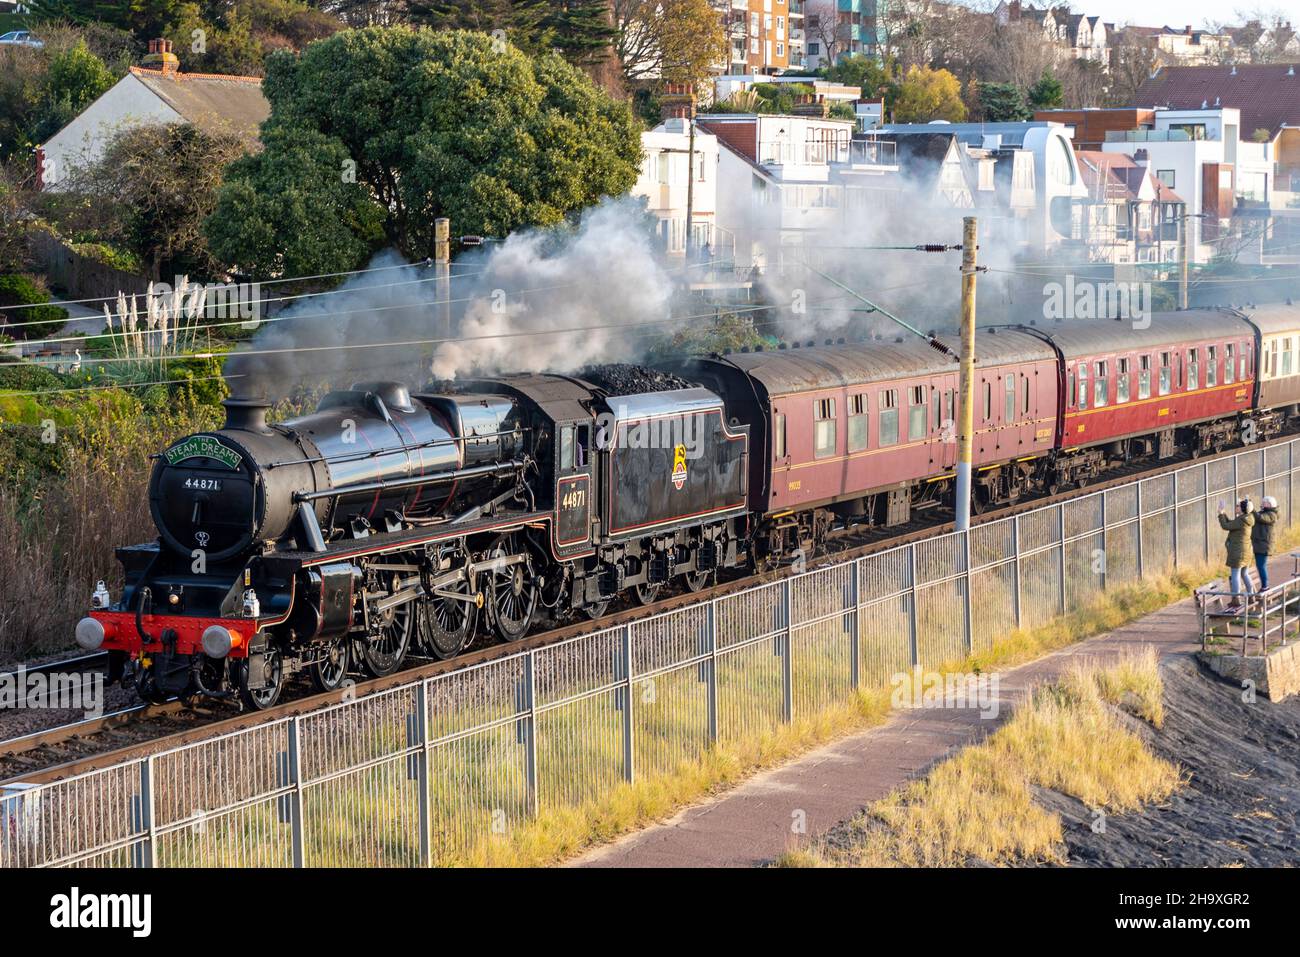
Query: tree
(429,125)
(1131,66)
(925,94)
(1002,103)
(159,182)
(874,77)
(1047,93)
(678,41)
(75,79)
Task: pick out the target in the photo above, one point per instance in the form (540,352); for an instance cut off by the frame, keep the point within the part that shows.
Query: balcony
(1147,136)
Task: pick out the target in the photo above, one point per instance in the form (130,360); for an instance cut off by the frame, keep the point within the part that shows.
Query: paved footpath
(752,823)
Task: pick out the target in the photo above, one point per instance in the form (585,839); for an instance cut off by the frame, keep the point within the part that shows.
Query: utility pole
(966,382)
(442,270)
(690,178)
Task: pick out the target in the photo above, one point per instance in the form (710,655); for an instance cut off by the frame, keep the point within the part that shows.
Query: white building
(216,104)
(1201,155)
(666,172)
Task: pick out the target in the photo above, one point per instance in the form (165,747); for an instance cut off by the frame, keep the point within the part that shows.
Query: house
(1088,128)
(784,180)
(1131,217)
(1181,45)
(666,184)
(759,35)
(836,29)
(155,93)
(1268,99)
(1082,36)
(1258,43)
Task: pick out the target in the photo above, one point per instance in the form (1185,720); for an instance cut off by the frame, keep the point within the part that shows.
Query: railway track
(75,748)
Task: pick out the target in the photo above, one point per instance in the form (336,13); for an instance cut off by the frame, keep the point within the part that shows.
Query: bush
(33,321)
(28,378)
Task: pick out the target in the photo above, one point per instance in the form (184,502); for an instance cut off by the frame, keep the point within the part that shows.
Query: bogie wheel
(386,649)
(259,699)
(514,595)
(647,592)
(596,610)
(446,625)
(698,581)
(330,670)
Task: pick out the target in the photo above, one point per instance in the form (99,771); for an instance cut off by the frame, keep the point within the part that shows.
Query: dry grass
(979,805)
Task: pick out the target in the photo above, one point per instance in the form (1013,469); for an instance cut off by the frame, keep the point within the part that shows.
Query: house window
(824,429)
(814,49)
(857,422)
(1010,389)
(665,168)
(1193,370)
(1144,377)
(1121,381)
(1211,366)
(778,435)
(916,414)
(1229,363)
(1101,386)
(1166,176)
(780,49)
(889,417)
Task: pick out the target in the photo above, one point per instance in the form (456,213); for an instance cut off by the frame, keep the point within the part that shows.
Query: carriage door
(573,486)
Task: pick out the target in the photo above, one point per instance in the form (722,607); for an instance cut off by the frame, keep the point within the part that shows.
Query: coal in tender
(624,378)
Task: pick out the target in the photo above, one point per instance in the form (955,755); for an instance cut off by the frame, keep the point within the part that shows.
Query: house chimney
(1141,157)
(677,101)
(160,57)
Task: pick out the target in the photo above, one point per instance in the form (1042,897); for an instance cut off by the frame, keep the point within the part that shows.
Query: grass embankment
(564,832)
(979,806)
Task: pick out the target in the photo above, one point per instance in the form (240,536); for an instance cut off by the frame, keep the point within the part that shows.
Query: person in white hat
(1261,537)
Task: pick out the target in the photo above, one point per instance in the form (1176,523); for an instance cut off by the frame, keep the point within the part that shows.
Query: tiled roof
(1266,94)
(214,103)
(1120,171)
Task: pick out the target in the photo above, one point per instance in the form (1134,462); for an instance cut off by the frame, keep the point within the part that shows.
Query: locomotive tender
(385,520)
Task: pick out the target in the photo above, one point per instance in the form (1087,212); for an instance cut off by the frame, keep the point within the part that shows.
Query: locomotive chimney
(247,414)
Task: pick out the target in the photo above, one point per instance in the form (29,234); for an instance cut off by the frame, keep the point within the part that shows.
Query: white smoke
(551,304)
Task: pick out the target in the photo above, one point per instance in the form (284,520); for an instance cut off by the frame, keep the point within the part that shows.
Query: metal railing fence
(442,770)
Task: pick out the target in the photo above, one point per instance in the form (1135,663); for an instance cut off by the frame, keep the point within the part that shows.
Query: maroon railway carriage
(1131,391)
(865,431)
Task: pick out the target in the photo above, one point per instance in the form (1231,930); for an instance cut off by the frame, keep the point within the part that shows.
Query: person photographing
(1261,537)
(1238,545)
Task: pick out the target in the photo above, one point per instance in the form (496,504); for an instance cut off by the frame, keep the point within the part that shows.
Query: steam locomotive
(386,521)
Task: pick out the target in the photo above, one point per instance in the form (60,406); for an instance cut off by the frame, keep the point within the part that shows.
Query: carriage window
(938,410)
(1211,366)
(824,429)
(1024,392)
(1193,369)
(916,414)
(857,422)
(988,401)
(1286,356)
(1010,389)
(950,408)
(889,417)
(1229,363)
(1083,385)
(580,447)
(1069,388)
(778,435)
(1244,360)
(1144,377)
(1101,387)
(1121,381)
(566,447)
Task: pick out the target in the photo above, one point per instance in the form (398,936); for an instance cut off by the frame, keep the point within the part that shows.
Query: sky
(1154,13)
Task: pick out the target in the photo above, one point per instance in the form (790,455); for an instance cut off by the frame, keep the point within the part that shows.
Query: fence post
(1060,555)
(422,771)
(530,762)
(1105,542)
(295,796)
(1175,530)
(914,637)
(1015,567)
(1141,569)
(147,856)
(855,656)
(711,611)
(968,617)
(629,770)
(787,675)
(1205,508)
